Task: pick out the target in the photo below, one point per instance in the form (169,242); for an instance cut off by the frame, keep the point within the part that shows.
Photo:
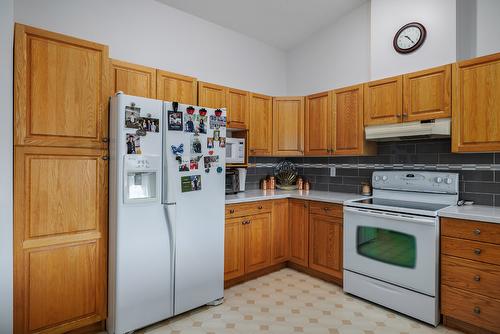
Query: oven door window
(387,246)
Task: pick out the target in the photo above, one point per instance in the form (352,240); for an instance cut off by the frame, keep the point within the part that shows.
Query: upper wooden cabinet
(476,105)
(260,125)
(237,108)
(349,135)
(175,87)
(133,79)
(427,94)
(211,95)
(383,101)
(318,124)
(61,90)
(299,231)
(288,126)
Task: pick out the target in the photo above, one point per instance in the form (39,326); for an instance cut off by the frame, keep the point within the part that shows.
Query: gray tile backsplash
(479,177)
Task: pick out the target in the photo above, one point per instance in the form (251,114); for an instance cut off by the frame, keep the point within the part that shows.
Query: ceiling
(279,23)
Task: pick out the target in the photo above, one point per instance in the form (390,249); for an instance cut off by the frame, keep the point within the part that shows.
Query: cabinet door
(280,242)
(476,105)
(234,249)
(299,231)
(427,94)
(237,108)
(175,87)
(318,124)
(349,134)
(288,126)
(61,90)
(257,242)
(383,101)
(133,79)
(211,95)
(325,244)
(60,238)
(260,125)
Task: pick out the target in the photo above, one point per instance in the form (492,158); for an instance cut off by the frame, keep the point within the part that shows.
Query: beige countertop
(489,214)
(312,195)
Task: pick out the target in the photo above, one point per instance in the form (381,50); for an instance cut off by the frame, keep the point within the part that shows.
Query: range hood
(438,128)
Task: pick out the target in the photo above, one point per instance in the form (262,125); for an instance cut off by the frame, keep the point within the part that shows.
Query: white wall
(335,57)
(6,162)
(387,16)
(153,34)
(488,27)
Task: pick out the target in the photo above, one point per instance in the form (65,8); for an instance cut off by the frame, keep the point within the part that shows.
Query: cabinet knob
(105,140)
(260,207)
(477,231)
(477,310)
(477,251)
(105,157)
(398,116)
(305,206)
(231,211)
(477,278)
(326,209)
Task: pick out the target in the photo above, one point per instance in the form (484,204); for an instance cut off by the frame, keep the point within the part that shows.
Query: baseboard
(253,275)
(315,273)
(464,326)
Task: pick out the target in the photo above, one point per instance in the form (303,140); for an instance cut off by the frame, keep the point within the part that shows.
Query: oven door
(397,248)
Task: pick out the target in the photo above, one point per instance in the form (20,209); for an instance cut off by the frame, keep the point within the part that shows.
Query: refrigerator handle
(170,220)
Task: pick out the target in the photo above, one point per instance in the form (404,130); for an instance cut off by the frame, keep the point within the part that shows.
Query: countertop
(489,214)
(312,195)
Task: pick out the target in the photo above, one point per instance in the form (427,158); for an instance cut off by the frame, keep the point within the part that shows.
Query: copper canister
(300,183)
(263,184)
(307,185)
(272,182)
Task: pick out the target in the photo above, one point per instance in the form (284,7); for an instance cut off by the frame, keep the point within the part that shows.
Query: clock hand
(410,39)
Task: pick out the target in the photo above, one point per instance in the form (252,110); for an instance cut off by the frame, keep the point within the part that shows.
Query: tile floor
(288,301)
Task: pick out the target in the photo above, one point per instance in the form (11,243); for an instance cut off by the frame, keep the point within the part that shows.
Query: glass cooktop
(402,204)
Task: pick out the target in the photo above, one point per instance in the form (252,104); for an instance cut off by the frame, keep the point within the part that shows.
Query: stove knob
(377,178)
(448,180)
(439,179)
(384,178)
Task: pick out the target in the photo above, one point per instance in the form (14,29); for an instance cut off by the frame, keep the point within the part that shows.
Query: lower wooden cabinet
(280,230)
(234,252)
(257,231)
(299,231)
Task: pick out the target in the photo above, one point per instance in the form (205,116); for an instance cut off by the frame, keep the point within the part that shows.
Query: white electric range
(391,241)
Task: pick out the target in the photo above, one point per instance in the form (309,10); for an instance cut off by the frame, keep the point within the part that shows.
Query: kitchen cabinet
(288,126)
(257,242)
(176,87)
(383,101)
(260,125)
(61,90)
(211,95)
(234,252)
(299,231)
(280,232)
(348,138)
(237,108)
(132,79)
(318,124)
(476,105)
(470,275)
(325,238)
(60,238)
(427,94)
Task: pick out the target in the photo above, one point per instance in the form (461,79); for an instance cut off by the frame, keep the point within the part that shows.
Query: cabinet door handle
(477,310)
(105,140)
(477,251)
(105,157)
(326,209)
(477,278)
(477,231)
(244,222)
(260,207)
(249,221)
(231,211)
(398,116)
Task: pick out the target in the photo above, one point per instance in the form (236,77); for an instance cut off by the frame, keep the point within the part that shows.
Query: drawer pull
(477,310)
(245,222)
(477,251)
(326,209)
(260,207)
(477,278)
(231,211)
(477,231)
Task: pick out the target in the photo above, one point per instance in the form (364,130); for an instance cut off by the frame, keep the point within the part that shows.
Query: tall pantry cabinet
(60,181)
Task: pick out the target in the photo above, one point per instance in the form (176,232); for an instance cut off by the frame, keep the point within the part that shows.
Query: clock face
(409,38)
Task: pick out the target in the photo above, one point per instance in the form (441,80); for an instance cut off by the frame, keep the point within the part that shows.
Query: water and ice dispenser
(141,178)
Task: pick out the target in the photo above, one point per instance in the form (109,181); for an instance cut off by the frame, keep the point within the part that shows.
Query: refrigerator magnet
(184,165)
(219,169)
(222,142)
(214,124)
(132,116)
(194,162)
(150,124)
(188,123)
(133,142)
(210,142)
(195,144)
(190,183)
(216,135)
(202,124)
(175,122)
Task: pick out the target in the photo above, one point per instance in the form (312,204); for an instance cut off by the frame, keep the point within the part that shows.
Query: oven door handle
(394,216)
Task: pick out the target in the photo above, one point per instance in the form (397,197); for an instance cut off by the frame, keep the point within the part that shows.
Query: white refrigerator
(166,228)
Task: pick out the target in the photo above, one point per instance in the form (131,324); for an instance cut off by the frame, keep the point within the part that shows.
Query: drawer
(473,250)
(248,209)
(472,308)
(473,276)
(470,229)
(327,209)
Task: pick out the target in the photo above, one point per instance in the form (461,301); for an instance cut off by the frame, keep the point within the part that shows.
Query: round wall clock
(409,38)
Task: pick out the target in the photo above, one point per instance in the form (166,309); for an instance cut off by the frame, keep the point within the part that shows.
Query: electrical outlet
(333,171)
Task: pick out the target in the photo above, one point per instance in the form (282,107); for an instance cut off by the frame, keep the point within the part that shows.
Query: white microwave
(235,150)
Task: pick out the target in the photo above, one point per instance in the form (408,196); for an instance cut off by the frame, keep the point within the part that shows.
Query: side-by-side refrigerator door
(141,261)
(194,149)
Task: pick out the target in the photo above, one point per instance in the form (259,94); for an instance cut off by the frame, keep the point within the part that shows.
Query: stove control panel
(418,181)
